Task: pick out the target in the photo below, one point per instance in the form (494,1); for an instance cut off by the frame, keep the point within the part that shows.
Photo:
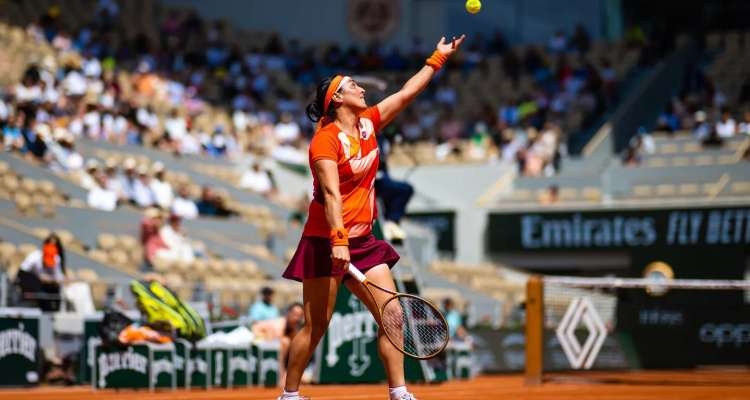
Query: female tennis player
(344,160)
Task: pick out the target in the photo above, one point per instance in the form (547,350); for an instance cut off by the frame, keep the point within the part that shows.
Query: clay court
(718,384)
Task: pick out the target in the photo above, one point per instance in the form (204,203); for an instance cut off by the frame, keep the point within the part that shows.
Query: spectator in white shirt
(27,91)
(745,124)
(62,148)
(257,180)
(128,179)
(75,84)
(92,68)
(175,126)
(88,177)
(100,197)
(142,195)
(161,189)
(92,122)
(287,130)
(726,127)
(178,246)
(147,117)
(183,206)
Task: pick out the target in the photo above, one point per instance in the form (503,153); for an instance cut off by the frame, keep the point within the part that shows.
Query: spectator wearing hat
(101,197)
(36,142)
(162,190)
(127,179)
(142,195)
(263,308)
(702,129)
(62,147)
(183,206)
(151,240)
(87,179)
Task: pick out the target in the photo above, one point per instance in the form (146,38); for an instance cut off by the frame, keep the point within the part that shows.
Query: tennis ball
(473,6)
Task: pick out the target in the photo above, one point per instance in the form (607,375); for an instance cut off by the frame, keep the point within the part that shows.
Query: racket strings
(415,326)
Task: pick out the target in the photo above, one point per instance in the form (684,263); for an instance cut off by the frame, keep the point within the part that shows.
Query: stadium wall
(522,21)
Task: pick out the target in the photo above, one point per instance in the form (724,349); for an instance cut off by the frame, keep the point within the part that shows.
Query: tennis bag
(158,303)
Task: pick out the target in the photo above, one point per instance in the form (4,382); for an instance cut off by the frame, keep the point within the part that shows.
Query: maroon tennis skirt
(313,257)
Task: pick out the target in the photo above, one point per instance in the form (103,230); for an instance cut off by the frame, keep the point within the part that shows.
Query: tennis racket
(412,324)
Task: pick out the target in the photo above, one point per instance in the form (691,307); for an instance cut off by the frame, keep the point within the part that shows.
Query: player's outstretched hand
(448,48)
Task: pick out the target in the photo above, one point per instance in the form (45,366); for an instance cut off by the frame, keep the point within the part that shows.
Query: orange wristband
(339,237)
(436,60)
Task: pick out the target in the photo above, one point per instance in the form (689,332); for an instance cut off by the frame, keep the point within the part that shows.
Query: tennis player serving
(344,159)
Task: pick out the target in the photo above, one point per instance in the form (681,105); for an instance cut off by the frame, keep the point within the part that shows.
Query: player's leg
(392,358)
(319,299)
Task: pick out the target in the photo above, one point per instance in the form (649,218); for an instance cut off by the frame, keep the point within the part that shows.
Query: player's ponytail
(315,110)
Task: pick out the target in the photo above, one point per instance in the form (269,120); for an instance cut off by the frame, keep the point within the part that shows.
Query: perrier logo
(125,360)
(359,329)
(17,341)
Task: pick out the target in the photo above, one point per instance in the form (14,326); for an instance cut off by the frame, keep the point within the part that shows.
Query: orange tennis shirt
(357,158)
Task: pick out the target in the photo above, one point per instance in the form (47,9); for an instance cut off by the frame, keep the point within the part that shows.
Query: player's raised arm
(393,104)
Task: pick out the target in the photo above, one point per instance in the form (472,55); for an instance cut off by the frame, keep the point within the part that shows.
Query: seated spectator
(87,179)
(702,128)
(257,179)
(175,127)
(65,157)
(178,247)
(160,188)
(13,137)
(183,206)
(42,272)
(142,195)
(100,196)
(212,204)
(263,308)
(744,127)
(287,130)
(127,180)
(551,196)
(150,238)
(36,142)
(282,329)
(726,127)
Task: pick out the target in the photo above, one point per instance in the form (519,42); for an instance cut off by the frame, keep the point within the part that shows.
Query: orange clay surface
(714,384)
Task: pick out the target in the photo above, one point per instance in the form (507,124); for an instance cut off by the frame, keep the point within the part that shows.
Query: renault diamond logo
(581,310)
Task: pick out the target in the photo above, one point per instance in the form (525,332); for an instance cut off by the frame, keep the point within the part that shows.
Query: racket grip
(353,271)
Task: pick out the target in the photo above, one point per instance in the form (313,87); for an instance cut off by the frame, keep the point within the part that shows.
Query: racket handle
(353,271)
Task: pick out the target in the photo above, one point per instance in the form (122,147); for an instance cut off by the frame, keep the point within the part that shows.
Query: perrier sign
(348,353)
(19,349)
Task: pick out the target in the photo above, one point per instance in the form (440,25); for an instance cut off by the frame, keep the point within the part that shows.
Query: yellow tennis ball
(473,6)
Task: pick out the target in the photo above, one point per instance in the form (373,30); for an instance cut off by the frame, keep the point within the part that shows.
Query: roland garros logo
(373,19)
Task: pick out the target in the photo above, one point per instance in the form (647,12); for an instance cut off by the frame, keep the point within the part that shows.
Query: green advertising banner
(348,352)
(140,366)
(198,368)
(19,347)
(90,337)
(265,357)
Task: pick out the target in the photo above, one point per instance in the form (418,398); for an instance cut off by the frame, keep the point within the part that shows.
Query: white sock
(290,395)
(397,392)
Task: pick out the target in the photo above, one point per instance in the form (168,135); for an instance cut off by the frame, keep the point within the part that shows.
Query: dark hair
(60,248)
(295,304)
(314,110)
